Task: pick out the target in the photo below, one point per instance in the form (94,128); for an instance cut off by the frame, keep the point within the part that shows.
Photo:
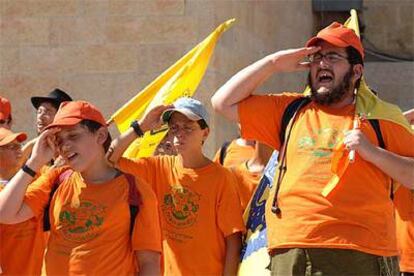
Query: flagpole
(109,122)
(355,124)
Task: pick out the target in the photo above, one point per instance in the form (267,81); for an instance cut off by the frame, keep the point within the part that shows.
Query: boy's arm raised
(12,208)
(150,121)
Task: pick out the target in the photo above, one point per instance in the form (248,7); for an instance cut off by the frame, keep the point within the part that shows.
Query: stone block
(60,60)
(146,7)
(24,31)
(94,7)
(156,58)
(9,59)
(38,8)
(110,58)
(156,29)
(77,31)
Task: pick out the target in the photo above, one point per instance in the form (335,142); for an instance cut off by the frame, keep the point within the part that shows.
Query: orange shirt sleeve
(229,214)
(147,229)
(38,192)
(141,167)
(397,139)
(260,117)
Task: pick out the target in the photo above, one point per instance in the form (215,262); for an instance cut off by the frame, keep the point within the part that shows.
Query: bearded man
(350,231)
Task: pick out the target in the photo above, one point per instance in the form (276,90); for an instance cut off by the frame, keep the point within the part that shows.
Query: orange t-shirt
(246,183)
(90,224)
(404,205)
(22,247)
(360,215)
(199,207)
(235,154)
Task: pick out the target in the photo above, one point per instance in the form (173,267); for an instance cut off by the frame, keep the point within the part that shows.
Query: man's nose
(323,63)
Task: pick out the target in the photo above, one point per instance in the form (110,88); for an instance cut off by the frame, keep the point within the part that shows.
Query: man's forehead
(70,129)
(47,105)
(178,117)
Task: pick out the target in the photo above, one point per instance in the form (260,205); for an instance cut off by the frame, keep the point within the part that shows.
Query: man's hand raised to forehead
(292,60)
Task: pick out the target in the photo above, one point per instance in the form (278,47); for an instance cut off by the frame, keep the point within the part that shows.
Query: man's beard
(334,95)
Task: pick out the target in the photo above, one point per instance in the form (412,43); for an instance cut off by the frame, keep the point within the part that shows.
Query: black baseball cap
(56,97)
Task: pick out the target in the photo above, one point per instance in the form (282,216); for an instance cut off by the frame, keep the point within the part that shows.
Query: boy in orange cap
(5,113)
(201,215)
(91,222)
(352,230)
(22,246)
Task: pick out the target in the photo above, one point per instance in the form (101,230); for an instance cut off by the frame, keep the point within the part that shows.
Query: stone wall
(105,51)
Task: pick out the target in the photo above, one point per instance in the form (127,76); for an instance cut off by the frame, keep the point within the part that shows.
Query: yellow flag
(181,79)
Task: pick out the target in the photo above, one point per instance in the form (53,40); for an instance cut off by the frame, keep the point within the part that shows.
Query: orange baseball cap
(72,113)
(7,136)
(338,35)
(5,108)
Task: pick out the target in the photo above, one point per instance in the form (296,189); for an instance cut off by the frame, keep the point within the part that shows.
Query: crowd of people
(70,203)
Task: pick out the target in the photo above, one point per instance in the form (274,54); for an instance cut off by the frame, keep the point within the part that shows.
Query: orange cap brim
(20,137)
(330,39)
(64,122)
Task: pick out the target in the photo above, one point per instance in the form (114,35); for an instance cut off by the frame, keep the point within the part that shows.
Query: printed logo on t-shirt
(82,223)
(180,206)
(321,142)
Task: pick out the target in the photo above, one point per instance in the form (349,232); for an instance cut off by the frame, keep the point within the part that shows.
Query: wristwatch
(28,170)
(137,129)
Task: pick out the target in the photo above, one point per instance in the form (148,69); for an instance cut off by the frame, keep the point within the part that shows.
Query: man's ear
(205,134)
(102,135)
(357,69)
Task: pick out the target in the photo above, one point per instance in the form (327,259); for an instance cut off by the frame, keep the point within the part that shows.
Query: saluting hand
(44,149)
(292,60)
(152,120)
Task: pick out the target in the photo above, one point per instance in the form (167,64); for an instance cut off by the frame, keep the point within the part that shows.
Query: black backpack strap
(134,200)
(223,152)
(60,179)
(377,128)
(290,110)
(290,114)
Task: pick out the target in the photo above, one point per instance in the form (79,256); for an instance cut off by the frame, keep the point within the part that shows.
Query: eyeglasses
(14,147)
(329,57)
(174,129)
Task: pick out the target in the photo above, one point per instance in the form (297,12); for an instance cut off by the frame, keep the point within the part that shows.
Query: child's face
(79,147)
(187,134)
(10,155)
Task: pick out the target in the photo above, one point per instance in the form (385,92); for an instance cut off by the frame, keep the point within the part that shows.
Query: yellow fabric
(181,79)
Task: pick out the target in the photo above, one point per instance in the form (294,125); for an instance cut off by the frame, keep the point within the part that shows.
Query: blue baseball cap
(191,108)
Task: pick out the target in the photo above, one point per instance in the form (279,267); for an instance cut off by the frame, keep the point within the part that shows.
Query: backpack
(134,198)
(223,152)
(287,122)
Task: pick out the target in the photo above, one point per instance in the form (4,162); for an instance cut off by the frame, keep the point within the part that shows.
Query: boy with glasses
(200,211)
